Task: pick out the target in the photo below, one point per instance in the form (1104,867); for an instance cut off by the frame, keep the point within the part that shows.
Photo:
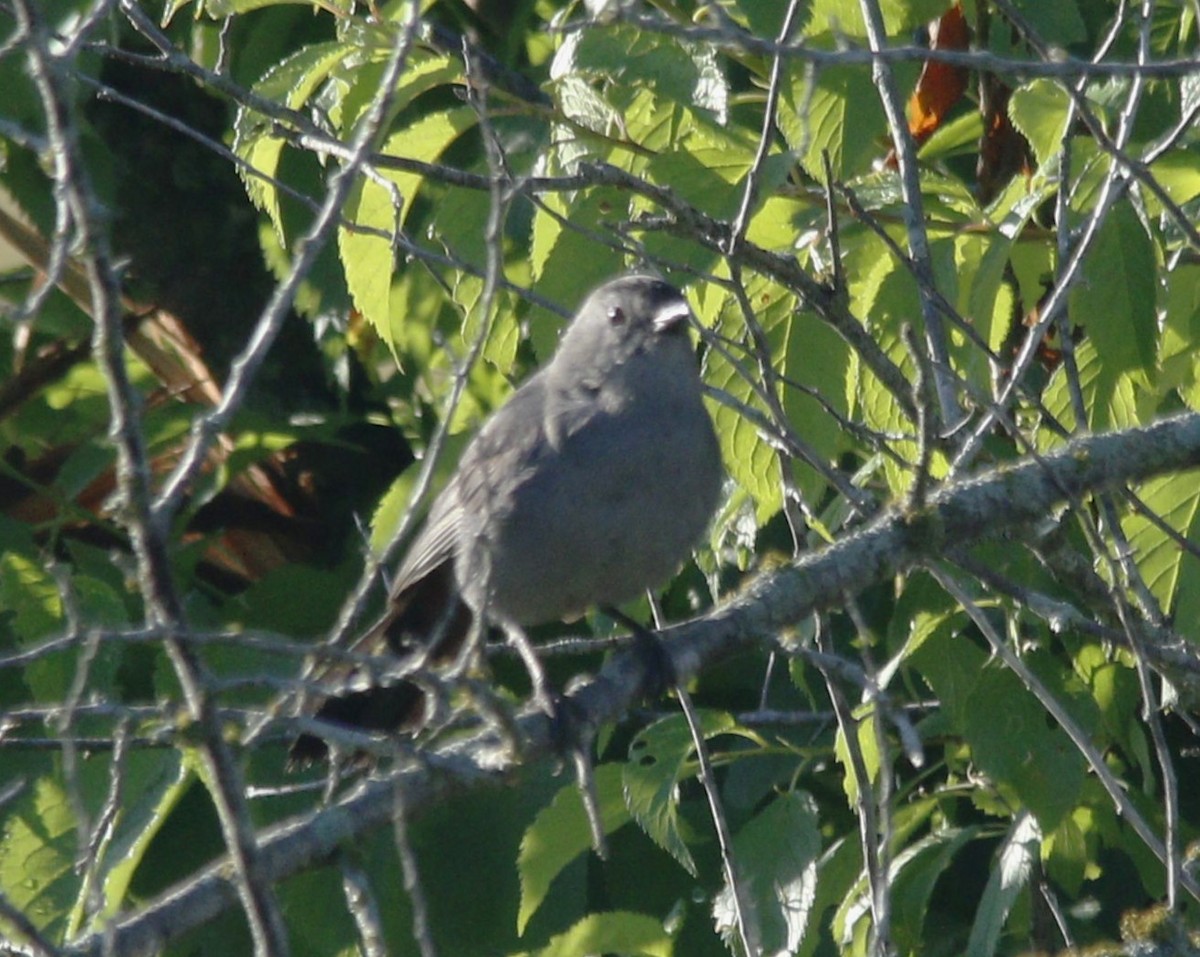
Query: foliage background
(271,263)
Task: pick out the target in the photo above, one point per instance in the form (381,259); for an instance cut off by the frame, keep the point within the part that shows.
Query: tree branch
(974,509)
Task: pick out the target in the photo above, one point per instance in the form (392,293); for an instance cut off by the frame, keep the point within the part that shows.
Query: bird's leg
(471,649)
(481,692)
(537,675)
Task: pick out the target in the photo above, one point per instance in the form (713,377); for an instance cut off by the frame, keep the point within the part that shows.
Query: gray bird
(591,484)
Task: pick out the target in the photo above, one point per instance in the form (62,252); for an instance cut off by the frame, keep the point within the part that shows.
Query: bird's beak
(672,316)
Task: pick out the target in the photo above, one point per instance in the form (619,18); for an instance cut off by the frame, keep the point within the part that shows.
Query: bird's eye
(616,315)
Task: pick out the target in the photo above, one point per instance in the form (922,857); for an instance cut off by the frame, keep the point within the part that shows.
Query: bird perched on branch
(589,485)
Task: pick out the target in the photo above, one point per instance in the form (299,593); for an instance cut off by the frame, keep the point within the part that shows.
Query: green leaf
(1059,23)
(566,259)
(30,593)
(1033,763)
(912,876)
(1039,111)
(1174,502)
(839,112)
(781,222)
(290,82)
(660,757)
(1012,743)
(989,303)
(1114,299)
(154,782)
(1114,688)
(845,18)
(1178,173)
(751,460)
(868,749)
(1178,357)
(561,832)
(812,360)
(1110,400)
(577,101)
(635,59)
(1018,858)
(764,18)
(951,667)
(956,137)
(886,293)
(809,352)
(459,227)
(1070,853)
(219,9)
(777,853)
(347,100)
(617,932)
(37,855)
(706,177)
(838,871)
(366,256)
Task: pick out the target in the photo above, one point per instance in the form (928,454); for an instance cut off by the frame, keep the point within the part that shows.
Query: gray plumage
(591,484)
(594,481)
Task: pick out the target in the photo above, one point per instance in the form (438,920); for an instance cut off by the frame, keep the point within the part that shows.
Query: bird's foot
(658,670)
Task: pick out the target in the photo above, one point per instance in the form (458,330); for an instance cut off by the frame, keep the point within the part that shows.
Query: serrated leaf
(155,782)
(1039,110)
(290,82)
(1059,23)
(1178,172)
(30,593)
(577,101)
(616,932)
(708,182)
(1030,763)
(839,112)
(424,71)
(868,749)
(561,832)
(845,17)
(661,756)
(777,853)
(1006,883)
(1110,399)
(803,350)
(682,72)
(1174,501)
(911,878)
(782,222)
(1012,744)
(367,258)
(752,462)
(1114,299)
(37,856)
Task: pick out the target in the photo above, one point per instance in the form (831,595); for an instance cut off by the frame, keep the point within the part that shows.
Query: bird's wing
(507,444)
(436,542)
(510,444)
